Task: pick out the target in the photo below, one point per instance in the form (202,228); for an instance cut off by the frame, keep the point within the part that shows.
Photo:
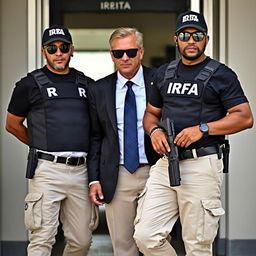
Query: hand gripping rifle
(173,156)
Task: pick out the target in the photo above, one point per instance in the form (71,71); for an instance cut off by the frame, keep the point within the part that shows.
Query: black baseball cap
(56,33)
(191,19)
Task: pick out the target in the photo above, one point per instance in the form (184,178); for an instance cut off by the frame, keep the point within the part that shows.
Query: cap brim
(192,26)
(57,39)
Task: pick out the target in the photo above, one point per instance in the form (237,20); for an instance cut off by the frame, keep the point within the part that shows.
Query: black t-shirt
(26,93)
(222,92)
(223,85)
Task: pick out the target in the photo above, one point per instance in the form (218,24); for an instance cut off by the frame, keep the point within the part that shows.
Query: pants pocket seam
(33,211)
(211,211)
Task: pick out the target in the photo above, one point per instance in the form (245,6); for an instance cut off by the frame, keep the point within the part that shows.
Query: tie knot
(129,84)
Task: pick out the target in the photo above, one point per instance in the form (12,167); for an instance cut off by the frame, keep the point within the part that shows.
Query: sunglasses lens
(184,36)
(131,53)
(51,49)
(118,54)
(197,36)
(64,48)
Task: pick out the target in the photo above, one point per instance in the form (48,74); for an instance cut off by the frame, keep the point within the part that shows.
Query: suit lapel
(111,101)
(148,77)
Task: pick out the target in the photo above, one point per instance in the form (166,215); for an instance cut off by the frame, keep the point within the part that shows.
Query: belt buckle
(67,160)
(76,161)
(80,160)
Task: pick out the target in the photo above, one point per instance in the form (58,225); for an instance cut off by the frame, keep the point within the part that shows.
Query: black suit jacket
(103,157)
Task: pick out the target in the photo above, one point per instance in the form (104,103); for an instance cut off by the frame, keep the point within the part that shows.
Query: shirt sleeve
(230,89)
(19,104)
(156,98)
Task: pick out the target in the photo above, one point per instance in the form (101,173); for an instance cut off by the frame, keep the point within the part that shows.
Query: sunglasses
(131,53)
(197,36)
(51,49)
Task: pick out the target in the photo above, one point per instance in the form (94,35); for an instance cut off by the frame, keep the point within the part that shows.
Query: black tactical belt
(74,161)
(198,152)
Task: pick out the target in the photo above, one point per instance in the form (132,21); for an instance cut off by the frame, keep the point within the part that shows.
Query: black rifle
(173,156)
(31,163)
(225,151)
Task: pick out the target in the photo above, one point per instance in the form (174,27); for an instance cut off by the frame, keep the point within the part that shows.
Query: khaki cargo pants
(58,190)
(196,202)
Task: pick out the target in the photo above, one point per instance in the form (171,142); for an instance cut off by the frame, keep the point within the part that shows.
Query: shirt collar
(137,79)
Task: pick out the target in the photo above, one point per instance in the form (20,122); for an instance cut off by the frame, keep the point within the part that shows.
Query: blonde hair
(124,32)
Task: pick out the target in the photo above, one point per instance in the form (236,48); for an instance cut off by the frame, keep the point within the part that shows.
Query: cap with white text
(56,33)
(191,19)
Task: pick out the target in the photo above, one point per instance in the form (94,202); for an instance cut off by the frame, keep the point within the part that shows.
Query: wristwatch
(204,128)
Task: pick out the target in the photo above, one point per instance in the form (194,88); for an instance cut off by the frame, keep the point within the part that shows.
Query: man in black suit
(120,157)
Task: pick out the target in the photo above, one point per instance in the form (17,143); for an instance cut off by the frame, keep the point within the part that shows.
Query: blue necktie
(131,151)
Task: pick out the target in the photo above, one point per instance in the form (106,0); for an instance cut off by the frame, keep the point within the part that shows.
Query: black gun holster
(32,161)
(225,152)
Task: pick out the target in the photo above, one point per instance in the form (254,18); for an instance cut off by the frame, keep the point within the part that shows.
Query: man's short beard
(58,68)
(191,57)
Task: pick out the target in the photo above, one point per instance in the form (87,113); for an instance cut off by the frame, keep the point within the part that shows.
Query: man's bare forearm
(151,118)
(239,118)
(15,126)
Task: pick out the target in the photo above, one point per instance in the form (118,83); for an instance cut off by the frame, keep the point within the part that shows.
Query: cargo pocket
(94,217)
(33,211)
(141,199)
(209,220)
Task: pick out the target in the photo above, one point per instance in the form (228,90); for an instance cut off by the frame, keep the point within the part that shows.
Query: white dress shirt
(140,95)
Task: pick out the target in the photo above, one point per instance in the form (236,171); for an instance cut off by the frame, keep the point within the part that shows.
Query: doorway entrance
(92,22)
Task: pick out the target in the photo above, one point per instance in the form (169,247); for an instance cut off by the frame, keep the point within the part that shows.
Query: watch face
(204,128)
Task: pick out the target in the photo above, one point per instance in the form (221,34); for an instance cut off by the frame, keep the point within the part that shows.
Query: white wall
(13,65)
(241,57)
